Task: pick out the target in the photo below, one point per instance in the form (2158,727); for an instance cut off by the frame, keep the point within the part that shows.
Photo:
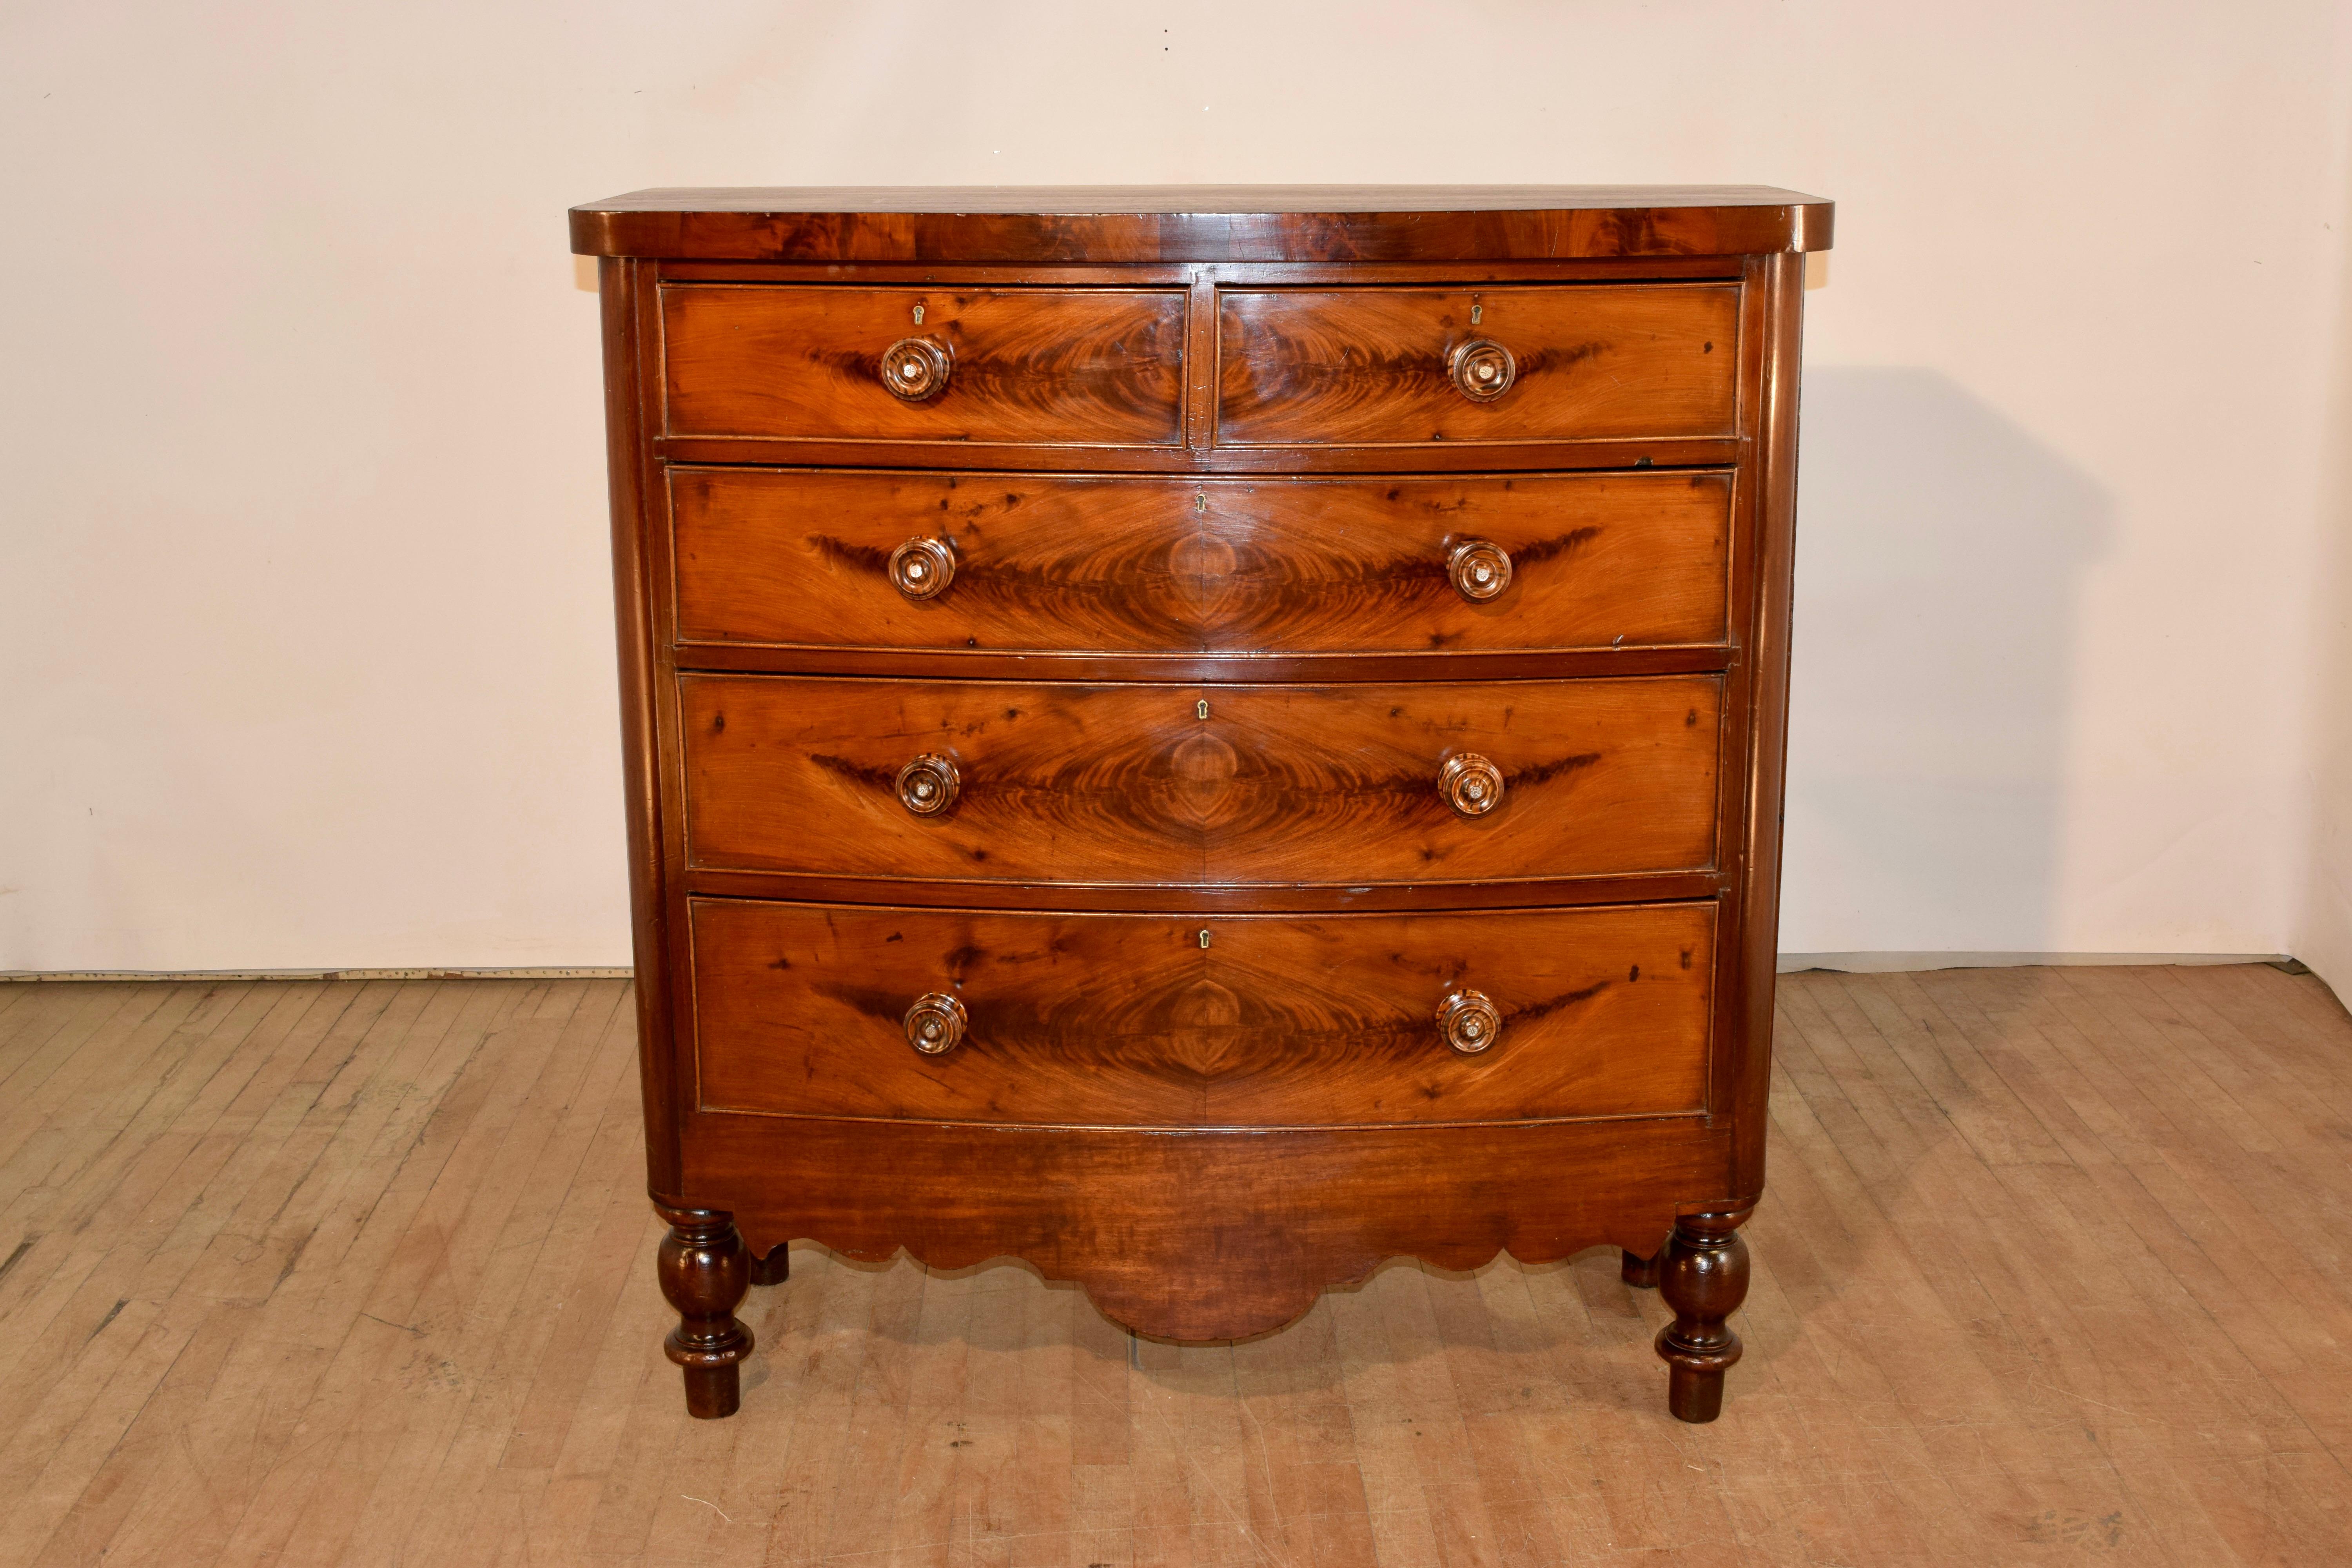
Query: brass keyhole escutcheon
(1200,708)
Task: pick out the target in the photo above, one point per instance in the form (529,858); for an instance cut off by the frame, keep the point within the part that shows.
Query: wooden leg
(774,1268)
(703,1272)
(1640,1272)
(1703,1274)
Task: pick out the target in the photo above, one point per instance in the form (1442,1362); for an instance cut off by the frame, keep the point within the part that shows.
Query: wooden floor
(2054,1269)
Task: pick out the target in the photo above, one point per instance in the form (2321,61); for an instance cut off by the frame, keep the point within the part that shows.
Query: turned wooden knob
(935,1023)
(1483,370)
(1469,1022)
(928,785)
(916,368)
(922,568)
(1479,567)
(1471,784)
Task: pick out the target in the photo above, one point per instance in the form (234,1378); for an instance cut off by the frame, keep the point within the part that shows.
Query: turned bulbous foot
(1703,1274)
(705,1271)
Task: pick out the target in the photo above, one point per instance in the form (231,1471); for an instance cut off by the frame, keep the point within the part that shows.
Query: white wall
(304,603)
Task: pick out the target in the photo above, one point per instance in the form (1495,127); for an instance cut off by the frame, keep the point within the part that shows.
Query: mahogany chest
(1203,738)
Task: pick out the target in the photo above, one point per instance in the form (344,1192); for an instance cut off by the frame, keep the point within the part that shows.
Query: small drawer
(1071,782)
(1366,366)
(1142,563)
(819,362)
(1230,1021)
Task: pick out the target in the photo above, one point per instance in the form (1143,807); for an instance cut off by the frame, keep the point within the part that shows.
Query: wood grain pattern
(1122,1212)
(1071,367)
(1130,1020)
(1243,716)
(1064,564)
(1042,226)
(1069,782)
(1371,366)
(311,1271)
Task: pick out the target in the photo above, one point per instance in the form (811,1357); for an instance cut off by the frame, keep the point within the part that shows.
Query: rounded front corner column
(1703,1274)
(705,1271)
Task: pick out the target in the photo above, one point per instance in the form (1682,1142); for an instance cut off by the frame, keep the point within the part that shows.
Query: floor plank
(2054,1268)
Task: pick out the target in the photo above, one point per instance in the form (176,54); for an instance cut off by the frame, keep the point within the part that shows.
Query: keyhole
(1477,311)
(919,315)
(1201,710)
(1204,938)
(1200,500)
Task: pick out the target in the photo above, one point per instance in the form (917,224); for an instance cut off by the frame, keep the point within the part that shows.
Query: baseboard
(201,974)
(1890,962)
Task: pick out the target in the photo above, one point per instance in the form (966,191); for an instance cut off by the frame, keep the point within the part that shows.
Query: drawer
(1316,367)
(1143,564)
(806,362)
(1219,785)
(1130,1020)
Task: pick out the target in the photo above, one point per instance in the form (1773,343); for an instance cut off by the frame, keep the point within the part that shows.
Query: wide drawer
(1164,1021)
(1368,366)
(1200,785)
(818,363)
(819,558)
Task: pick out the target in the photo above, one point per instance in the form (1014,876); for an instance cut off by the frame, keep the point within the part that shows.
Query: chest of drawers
(1203,739)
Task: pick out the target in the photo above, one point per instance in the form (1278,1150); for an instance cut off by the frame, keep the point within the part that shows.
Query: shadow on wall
(1939,555)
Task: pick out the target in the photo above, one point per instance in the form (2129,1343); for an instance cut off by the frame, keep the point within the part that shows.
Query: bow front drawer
(1143,564)
(1098,367)
(1371,366)
(1069,782)
(1233,1021)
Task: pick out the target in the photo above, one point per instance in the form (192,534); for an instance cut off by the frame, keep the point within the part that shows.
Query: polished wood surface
(1044,562)
(343,1271)
(1007,569)
(1156,1021)
(1078,783)
(1368,366)
(1048,224)
(804,361)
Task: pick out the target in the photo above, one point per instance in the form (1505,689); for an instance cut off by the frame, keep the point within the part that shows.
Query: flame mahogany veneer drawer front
(814,362)
(1135,1021)
(1215,784)
(1368,366)
(819,558)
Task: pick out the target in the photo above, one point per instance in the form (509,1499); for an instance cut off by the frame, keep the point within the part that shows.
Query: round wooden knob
(1471,784)
(1483,370)
(916,368)
(1469,1022)
(935,1023)
(928,785)
(922,568)
(1480,568)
